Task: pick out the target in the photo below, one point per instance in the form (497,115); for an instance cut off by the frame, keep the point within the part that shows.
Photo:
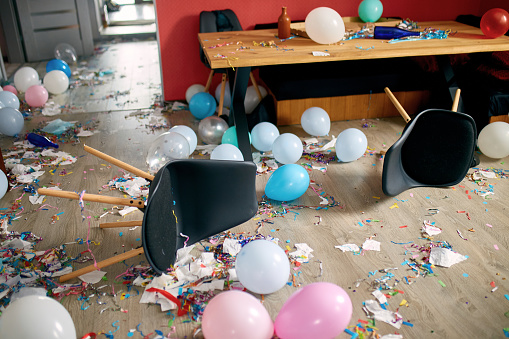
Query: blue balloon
(351,144)
(4,184)
(58,65)
(11,121)
(370,10)
(230,137)
(9,99)
(262,266)
(288,182)
(202,105)
(264,134)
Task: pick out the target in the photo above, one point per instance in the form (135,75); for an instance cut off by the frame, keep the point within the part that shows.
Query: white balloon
(227,152)
(56,82)
(188,133)
(37,317)
(315,121)
(493,141)
(263,136)
(351,144)
(252,100)
(287,148)
(227,101)
(4,184)
(192,90)
(25,77)
(324,26)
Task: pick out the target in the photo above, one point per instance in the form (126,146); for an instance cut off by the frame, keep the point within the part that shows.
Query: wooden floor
(456,302)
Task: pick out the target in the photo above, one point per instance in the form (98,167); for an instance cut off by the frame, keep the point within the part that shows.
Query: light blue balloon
(262,267)
(4,184)
(315,121)
(227,152)
(11,121)
(202,105)
(287,183)
(264,134)
(230,137)
(9,99)
(370,10)
(351,144)
(287,148)
(59,65)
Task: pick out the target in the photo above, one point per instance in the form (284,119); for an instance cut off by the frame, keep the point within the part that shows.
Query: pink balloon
(236,314)
(319,310)
(36,96)
(10,88)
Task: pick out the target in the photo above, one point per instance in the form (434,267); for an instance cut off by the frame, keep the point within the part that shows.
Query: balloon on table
(227,152)
(167,146)
(287,148)
(56,82)
(188,133)
(46,316)
(251,100)
(192,90)
(230,137)
(493,141)
(67,53)
(11,121)
(202,105)
(287,183)
(319,310)
(36,96)
(58,65)
(211,130)
(236,314)
(262,267)
(10,88)
(9,99)
(351,144)
(227,100)
(263,135)
(370,10)
(25,77)
(495,23)
(315,121)
(4,184)
(324,26)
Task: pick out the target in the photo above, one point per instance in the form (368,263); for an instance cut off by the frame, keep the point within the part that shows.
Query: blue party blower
(40,141)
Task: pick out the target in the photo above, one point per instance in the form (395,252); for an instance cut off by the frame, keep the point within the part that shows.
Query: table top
(252,48)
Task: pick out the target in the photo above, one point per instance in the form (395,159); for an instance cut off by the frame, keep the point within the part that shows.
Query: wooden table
(238,51)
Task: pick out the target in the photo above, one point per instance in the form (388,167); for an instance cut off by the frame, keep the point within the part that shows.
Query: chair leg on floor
(209,81)
(132,223)
(255,85)
(221,97)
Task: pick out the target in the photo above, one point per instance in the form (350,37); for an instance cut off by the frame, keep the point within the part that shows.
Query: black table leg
(450,79)
(238,118)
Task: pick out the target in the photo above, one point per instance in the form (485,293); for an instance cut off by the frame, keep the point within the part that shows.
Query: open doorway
(130,12)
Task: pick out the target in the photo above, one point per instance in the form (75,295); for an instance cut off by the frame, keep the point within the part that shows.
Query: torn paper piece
(318,53)
(232,275)
(58,126)
(36,199)
(430,230)
(51,108)
(183,256)
(371,245)
(392,318)
(92,277)
(484,174)
(445,257)
(348,248)
(325,147)
(231,246)
(216,284)
(392,336)
(84,133)
(311,141)
(157,298)
(303,253)
(28,178)
(127,210)
(62,158)
(382,299)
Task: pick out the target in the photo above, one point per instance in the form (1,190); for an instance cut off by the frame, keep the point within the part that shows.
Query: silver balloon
(211,130)
(168,146)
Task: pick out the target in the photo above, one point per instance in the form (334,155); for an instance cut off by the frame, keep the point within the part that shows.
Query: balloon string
(185,236)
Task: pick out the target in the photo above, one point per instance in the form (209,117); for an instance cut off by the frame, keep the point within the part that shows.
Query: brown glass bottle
(283,25)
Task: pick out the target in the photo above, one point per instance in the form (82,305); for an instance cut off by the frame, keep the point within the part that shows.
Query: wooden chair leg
(396,104)
(92,197)
(131,223)
(221,97)
(101,264)
(255,85)
(209,81)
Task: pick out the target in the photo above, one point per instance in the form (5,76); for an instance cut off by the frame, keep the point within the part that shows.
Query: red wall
(178,25)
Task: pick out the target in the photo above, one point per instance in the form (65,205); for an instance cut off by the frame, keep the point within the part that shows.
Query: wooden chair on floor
(221,21)
(189,200)
(436,149)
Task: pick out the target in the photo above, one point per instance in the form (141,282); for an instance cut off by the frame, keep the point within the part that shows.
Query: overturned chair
(436,149)
(188,201)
